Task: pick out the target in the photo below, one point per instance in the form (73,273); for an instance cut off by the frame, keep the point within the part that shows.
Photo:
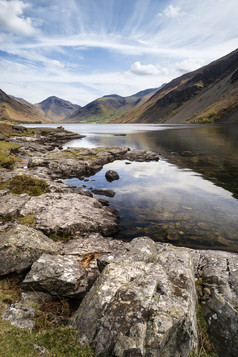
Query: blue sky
(80,50)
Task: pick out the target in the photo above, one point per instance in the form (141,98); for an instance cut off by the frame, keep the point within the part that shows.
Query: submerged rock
(107,193)
(143,304)
(20,247)
(58,275)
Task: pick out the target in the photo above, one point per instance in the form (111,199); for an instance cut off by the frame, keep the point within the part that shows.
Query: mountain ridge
(208,94)
(56,108)
(108,107)
(15,111)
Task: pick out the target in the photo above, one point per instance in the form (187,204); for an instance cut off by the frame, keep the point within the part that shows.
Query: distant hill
(103,110)
(56,108)
(13,110)
(209,94)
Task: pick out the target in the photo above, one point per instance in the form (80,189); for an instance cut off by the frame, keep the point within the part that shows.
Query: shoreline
(82,228)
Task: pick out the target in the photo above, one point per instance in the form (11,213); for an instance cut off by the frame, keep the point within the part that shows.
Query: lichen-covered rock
(20,315)
(217,274)
(11,205)
(20,247)
(70,213)
(58,275)
(143,304)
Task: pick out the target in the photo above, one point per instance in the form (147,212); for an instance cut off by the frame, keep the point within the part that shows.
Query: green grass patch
(26,184)
(60,342)
(15,342)
(7,154)
(206,347)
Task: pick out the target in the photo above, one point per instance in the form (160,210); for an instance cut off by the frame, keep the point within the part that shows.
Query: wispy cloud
(85,49)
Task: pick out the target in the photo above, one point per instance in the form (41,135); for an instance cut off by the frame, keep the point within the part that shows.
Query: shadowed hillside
(56,108)
(209,94)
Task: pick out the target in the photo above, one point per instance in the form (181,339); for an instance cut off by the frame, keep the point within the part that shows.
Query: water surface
(188,198)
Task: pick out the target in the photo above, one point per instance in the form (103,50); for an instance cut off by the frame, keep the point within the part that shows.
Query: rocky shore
(137,298)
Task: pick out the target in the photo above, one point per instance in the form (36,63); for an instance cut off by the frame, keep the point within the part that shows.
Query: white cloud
(12,19)
(172,11)
(144,70)
(189,65)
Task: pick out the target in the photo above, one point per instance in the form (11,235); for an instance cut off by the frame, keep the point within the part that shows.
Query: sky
(80,50)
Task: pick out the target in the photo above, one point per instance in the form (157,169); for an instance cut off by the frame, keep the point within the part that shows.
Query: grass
(26,184)
(206,347)
(7,154)
(58,341)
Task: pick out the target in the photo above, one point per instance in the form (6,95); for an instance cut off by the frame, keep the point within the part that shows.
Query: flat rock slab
(142,304)
(20,247)
(57,275)
(11,205)
(70,213)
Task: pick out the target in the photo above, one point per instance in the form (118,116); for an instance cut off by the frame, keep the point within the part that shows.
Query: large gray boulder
(69,213)
(143,304)
(20,247)
(217,274)
(57,275)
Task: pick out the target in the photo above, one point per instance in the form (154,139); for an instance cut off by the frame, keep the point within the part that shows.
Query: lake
(188,198)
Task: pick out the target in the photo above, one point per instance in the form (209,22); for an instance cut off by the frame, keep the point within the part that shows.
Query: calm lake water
(188,198)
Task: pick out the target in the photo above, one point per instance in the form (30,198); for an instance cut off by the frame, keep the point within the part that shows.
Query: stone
(143,304)
(111,175)
(11,205)
(57,275)
(20,315)
(69,213)
(20,247)
(141,155)
(107,193)
(218,273)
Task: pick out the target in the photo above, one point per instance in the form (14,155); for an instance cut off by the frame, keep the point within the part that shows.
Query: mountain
(15,111)
(103,110)
(56,108)
(206,95)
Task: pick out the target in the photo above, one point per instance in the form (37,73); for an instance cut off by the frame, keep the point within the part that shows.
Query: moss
(56,237)
(26,184)
(29,221)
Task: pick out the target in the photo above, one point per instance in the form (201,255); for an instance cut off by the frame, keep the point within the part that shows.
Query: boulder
(57,275)
(69,213)
(111,175)
(20,247)
(143,304)
(218,293)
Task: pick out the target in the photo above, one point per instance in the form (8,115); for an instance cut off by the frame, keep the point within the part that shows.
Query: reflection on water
(169,204)
(188,198)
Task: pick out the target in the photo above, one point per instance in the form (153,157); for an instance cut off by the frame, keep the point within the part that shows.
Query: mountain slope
(14,111)
(209,94)
(105,109)
(56,108)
